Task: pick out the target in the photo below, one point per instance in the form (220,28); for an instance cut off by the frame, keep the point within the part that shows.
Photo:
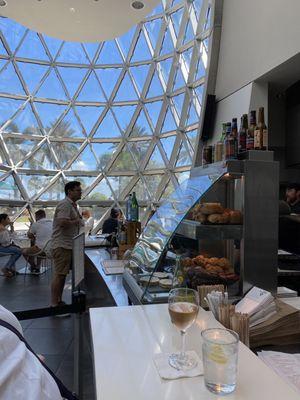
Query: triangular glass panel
(108,128)
(169,122)
(104,153)
(55,192)
(18,148)
(202,62)
(124,115)
(51,88)
(53,45)
(108,78)
(91,50)
(109,54)
(154,109)
(140,74)
(139,150)
(65,151)
(207,24)
(187,57)
(91,90)
(26,122)
(72,78)
(9,81)
(126,90)
(33,184)
(3,51)
(72,52)
(32,48)
(8,108)
(155,88)
(189,33)
(32,74)
(176,18)
(182,176)
(85,161)
(153,29)
(174,2)
(183,158)
(156,161)
(179,81)
(119,184)
(152,183)
(157,10)
(68,127)
(141,191)
(141,126)
(9,189)
(41,159)
(169,188)
(199,93)
(126,40)
(124,162)
(141,50)
(167,45)
(85,181)
(178,102)
(101,192)
(168,145)
(192,138)
(165,67)
(192,117)
(12,31)
(88,116)
(49,113)
(197,7)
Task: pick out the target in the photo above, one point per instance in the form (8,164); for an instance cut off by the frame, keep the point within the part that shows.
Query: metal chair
(43,257)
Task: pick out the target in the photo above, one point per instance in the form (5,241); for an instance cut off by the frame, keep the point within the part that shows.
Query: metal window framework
(142,103)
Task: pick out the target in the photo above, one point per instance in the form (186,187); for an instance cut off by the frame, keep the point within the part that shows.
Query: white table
(125,340)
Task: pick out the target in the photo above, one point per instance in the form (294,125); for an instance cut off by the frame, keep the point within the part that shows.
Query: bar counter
(125,340)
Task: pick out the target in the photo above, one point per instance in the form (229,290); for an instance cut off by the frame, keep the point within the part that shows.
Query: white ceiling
(77,20)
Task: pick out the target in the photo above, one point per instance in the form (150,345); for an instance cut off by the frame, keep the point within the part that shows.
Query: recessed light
(137,5)
(3,3)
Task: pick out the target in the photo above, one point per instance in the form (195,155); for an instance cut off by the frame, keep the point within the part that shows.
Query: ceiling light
(3,3)
(137,5)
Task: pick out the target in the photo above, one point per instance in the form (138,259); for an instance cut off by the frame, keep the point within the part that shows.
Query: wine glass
(183,310)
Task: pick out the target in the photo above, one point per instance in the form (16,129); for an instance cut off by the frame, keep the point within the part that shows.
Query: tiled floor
(52,337)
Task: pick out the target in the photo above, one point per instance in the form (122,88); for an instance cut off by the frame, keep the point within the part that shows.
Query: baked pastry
(202,218)
(235,217)
(166,283)
(218,218)
(161,275)
(152,281)
(211,208)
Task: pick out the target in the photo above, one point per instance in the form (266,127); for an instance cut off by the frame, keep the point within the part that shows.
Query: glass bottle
(234,134)
(261,132)
(178,277)
(243,134)
(134,208)
(128,207)
(250,131)
(229,143)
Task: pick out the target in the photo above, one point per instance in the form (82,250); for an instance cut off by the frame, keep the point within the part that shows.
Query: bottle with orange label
(261,132)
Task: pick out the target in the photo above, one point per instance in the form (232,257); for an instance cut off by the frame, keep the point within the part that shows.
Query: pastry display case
(219,226)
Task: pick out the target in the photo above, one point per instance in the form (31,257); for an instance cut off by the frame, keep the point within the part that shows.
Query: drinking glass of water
(220,357)
(183,310)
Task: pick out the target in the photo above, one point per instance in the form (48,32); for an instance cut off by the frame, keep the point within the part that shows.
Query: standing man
(293,197)
(66,224)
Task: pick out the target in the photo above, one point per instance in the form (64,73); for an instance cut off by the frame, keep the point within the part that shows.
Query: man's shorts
(62,259)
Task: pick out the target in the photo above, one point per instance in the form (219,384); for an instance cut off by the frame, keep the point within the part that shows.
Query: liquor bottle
(179,276)
(250,131)
(223,134)
(128,208)
(229,143)
(234,134)
(134,208)
(243,134)
(261,132)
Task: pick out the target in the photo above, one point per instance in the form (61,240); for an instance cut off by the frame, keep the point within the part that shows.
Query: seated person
(40,233)
(8,247)
(293,197)
(110,225)
(88,222)
(22,374)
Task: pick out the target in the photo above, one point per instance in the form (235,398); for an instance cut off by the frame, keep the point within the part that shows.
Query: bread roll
(211,208)
(235,217)
(218,218)
(202,218)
